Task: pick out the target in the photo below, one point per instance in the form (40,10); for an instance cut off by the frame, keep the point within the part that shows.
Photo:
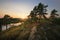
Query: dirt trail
(33,30)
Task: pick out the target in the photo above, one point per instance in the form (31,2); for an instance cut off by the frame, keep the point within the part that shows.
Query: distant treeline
(8,20)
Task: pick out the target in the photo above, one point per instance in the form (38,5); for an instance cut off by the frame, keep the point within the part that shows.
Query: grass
(43,30)
(16,33)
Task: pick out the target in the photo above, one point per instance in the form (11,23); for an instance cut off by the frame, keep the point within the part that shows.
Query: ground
(42,30)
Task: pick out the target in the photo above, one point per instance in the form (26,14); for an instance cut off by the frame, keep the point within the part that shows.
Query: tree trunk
(39,17)
(6,26)
(44,16)
(0,28)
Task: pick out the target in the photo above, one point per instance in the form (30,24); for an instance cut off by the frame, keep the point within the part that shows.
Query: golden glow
(17,11)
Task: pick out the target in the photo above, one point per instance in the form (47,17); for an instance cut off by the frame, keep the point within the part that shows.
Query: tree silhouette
(6,20)
(32,14)
(1,24)
(53,17)
(35,10)
(15,20)
(42,10)
(53,14)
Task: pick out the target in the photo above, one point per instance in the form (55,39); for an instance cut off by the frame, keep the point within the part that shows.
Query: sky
(22,8)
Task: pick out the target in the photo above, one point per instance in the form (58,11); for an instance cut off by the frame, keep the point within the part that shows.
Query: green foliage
(1,24)
(53,14)
(39,10)
(56,21)
(8,20)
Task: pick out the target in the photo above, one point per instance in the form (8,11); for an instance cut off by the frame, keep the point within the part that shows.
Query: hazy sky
(22,8)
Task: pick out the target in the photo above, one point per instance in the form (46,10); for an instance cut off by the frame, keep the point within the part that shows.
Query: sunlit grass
(23,31)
